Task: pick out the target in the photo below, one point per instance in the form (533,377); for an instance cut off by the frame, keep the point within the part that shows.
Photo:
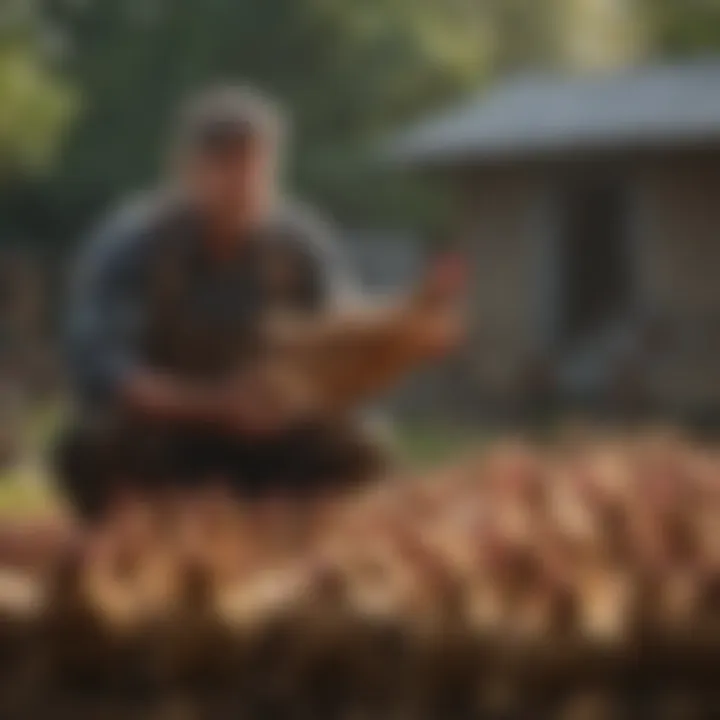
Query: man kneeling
(171,306)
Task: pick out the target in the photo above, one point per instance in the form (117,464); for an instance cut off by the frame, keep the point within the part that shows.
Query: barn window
(595,268)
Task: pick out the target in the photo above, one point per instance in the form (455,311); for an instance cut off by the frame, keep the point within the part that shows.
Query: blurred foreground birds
(523,577)
(570,580)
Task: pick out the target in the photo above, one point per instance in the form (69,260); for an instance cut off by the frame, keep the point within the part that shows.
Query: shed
(591,210)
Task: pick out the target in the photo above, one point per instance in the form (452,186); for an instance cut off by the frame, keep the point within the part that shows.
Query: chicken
(521,577)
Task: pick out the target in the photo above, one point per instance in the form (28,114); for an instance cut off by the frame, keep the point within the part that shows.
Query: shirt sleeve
(333,282)
(102,327)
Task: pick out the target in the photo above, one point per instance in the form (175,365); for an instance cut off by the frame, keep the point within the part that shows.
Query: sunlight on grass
(26,489)
(26,492)
(424,445)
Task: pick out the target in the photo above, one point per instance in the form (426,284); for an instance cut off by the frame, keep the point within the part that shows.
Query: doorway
(595,268)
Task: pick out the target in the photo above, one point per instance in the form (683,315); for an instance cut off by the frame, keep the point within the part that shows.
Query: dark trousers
(92,467)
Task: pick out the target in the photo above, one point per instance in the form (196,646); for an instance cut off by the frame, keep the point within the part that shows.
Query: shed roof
(654,106)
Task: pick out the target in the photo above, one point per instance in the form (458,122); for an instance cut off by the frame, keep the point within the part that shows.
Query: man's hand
(250,404)
(161,396)
(245,405)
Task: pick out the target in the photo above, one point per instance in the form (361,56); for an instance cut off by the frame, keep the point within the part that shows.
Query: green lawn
(26,489)
(424,445)
(21,494)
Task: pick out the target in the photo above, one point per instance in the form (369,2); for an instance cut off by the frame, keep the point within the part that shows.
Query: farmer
(168,301)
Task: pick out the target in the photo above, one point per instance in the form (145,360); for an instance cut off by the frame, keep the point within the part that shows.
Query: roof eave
(479,155)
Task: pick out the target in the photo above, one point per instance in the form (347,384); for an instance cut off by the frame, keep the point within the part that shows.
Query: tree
(35,103)
(682,28)
(348,71)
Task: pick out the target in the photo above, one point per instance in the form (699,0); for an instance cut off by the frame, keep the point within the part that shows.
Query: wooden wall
(679,265)
(509,221)
(502,239)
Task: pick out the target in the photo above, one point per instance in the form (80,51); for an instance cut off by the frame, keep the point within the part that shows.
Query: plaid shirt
(113,324)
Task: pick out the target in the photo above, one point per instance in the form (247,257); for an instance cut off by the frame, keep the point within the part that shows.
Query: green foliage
(349,71)
(35,104)
(685,27)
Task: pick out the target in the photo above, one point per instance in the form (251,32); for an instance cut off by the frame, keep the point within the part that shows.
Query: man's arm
(332,283)
(105,314)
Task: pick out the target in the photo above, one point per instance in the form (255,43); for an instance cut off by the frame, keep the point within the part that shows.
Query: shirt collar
(189,225)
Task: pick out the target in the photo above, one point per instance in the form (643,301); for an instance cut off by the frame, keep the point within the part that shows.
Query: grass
(427,445)
(23,494)
(26,489)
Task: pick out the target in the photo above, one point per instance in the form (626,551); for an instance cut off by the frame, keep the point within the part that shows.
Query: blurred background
(571,147)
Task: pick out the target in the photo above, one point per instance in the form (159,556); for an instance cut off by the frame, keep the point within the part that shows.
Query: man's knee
(92,465)
(81,474)
(343,455)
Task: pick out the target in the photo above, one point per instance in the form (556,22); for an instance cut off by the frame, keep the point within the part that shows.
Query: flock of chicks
(578,581)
